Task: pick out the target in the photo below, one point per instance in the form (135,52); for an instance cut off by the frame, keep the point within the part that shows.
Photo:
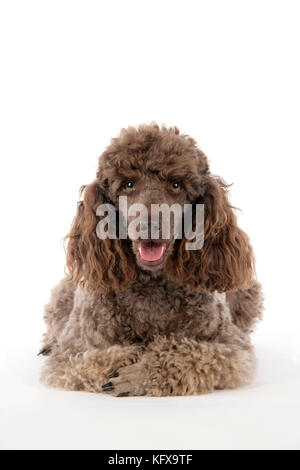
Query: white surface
(72,74)
(263,415)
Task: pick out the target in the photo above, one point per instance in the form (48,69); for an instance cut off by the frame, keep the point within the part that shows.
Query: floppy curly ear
(98,265)
(225,262)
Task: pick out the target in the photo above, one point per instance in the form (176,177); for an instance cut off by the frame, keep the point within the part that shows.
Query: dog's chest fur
(151,307)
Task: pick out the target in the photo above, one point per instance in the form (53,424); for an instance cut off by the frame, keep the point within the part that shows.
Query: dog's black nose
(150,228)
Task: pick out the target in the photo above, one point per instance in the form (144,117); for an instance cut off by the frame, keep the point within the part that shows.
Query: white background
(73,73)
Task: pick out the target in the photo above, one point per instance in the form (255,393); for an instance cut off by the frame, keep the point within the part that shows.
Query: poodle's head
(155,166)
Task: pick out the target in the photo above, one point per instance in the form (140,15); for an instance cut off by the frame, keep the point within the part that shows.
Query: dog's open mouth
(151,253)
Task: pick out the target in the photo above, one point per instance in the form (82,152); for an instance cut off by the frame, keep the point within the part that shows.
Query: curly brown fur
(181,326)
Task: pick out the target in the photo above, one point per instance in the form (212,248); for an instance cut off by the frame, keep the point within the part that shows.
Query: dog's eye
(129,186)
(176,186)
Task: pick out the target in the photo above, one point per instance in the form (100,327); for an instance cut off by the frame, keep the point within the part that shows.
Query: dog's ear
(99,265)
(225,262)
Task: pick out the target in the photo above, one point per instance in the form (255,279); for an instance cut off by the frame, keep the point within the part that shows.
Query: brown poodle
(149,317)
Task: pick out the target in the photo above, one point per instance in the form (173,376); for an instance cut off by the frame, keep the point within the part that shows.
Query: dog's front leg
(87,370)
(184,367)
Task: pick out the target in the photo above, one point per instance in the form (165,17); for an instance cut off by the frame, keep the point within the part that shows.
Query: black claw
(108,389)
(109,384)
(116,374)
(45,352)
(123,394)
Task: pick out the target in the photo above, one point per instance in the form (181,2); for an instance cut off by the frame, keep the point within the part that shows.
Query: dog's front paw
(127,381)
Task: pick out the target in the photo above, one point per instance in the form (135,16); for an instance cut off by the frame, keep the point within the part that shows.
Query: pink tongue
(151,251)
